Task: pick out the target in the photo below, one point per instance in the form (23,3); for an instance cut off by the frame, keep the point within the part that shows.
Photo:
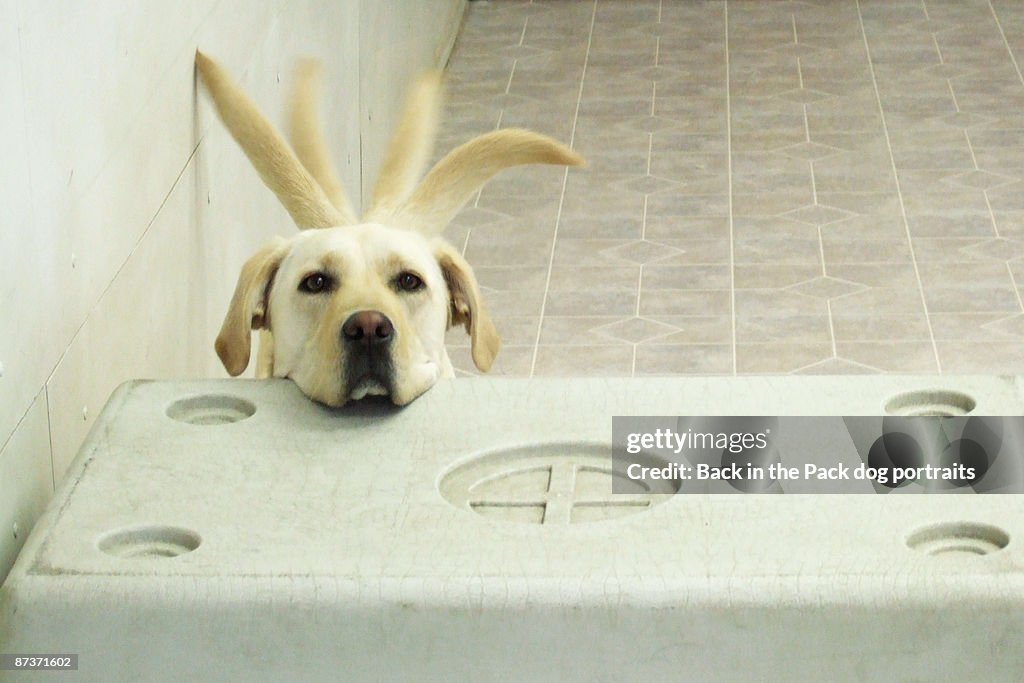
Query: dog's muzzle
(367,338)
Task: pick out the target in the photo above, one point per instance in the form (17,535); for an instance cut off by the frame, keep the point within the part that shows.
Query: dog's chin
(368,385)
(372,384)
(338,396)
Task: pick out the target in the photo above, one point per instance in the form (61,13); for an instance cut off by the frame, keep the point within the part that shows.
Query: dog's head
(355,311)
(354,308)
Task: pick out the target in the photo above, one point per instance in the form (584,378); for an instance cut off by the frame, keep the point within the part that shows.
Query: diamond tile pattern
(809,150)
(818,214)
(964,120)
(931,26)
(826,288)
(636,330)
(1014,325)
(647,184)
(832,185)
(803,95)
(642,251)
(999,249)
(796,50)
(651,124)
(983,180)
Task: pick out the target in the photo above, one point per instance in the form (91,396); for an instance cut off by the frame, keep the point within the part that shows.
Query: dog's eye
(408,282)
(315,283)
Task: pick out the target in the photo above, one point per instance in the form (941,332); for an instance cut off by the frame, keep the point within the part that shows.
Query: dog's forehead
(363,244)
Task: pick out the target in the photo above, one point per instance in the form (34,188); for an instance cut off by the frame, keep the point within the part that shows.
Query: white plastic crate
(234,530)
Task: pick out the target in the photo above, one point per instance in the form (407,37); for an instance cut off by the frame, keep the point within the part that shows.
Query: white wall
(126,210)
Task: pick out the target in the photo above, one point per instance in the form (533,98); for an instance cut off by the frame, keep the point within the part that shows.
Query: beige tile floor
(816,186)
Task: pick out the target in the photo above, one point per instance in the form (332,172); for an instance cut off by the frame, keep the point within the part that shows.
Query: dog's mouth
(368,385)
(369,371)
(368,375)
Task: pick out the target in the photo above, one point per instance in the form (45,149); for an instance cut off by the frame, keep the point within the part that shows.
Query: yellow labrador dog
(349,308)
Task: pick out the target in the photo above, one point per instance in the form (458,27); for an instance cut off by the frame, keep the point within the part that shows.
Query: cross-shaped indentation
(567,485)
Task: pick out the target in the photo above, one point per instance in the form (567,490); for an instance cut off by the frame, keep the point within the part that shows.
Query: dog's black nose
(368,327)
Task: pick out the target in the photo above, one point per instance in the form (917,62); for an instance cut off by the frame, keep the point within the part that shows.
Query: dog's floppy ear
(248,308)
(273,159)
(466,306)
(454,179)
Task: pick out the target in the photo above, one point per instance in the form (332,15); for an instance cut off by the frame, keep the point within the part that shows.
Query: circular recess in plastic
(211,409)
(930,402)
(958,538)
(149,542)
(553,483)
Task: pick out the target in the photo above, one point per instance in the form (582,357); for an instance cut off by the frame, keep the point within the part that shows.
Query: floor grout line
(814,189)
(803,106)
(639,289)
(1002,34)
(511,75)
(956,105)
(643,222)
(611,317)
(1020,77)
(501,115)
(974,160)
(831,328)
(565,184)
(1016,290)
(992,215)
(967,138)
(650,153)
(899,190)
(821,252)
(728,139)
